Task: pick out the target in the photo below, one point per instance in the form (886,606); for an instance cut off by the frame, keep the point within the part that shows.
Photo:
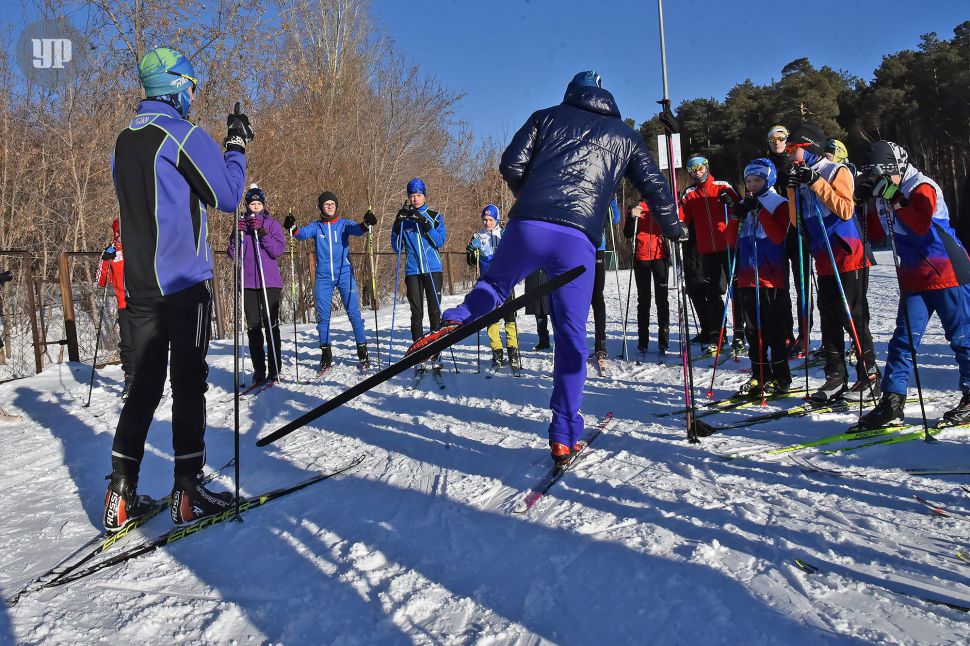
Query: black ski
(203,523)
(425,353)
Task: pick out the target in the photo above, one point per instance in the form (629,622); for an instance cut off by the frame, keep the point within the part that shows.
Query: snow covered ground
(649,540)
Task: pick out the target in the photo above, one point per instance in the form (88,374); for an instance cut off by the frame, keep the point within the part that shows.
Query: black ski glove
(725,198)
(109,253)
(424,223)
(802,175)
(369,219)
(259,233)
(744,207)
(863,190)
(240,133)
(5,277)
(289,223)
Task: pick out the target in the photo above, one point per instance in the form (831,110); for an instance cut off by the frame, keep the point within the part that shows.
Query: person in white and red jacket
(706,208)
(651,263)
(113,268)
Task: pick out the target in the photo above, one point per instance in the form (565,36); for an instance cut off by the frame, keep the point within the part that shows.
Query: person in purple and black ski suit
(564,166)
(260,232)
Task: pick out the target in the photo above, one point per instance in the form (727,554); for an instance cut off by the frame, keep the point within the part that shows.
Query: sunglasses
(790,148)
(193,80)
(777,140)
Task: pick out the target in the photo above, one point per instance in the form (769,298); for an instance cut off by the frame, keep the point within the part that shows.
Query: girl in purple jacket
(262,243)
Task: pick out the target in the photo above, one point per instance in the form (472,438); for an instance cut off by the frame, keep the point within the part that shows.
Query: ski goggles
(777,139)
(695,164)
(191,79)
(877,170)
(790,148)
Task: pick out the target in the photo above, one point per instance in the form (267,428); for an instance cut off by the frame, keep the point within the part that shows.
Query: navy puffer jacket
(565,165)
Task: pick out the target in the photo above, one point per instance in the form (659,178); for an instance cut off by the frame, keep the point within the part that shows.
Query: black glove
(745,206)
(5,277)
(240,133)
(259,233)
(725,198)
(666,117)
(424,223)
(109,254)
(470,258)
(470,248)
(863,190)
(680,234)
(802,174)
(370,219)
(289,222)
(403,214)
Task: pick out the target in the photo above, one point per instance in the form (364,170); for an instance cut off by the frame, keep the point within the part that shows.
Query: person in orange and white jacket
(113,268)
(706,208)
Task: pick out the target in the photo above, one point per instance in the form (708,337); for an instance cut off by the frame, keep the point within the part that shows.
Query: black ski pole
(236,304)
(97,340)
(890,218)
(373,291)
(629,285)
(269,314)
(293,294)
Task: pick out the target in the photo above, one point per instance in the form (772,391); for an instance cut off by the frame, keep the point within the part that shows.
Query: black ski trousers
(255,309)
(125,347)
(645,272)
(178,325)
(599,303)
(835,324)
(774,330)
(715,272)
(420,288)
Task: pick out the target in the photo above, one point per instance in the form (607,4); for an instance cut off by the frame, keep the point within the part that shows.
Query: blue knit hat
(491,211)
(165,72)
(416,185)
(763,168)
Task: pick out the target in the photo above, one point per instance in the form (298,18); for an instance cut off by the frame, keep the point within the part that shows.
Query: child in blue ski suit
(332,234)
(420,232)
(481,250)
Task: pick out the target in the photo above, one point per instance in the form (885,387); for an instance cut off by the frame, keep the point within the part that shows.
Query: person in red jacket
(113,268)
(651,262)
(706,207)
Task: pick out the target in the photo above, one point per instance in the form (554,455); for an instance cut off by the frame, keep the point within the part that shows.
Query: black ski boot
(498,358)
(738,346)
(543,344)
(888,412)
(960,415)
(866,389)
(362,356)
(835,379)
(515,359)
(122,504)
(752,388)
(326,358)
(192,501)
(126,390)
(663,340)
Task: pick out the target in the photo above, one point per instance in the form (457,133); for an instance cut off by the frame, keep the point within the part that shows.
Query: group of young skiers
(802,204)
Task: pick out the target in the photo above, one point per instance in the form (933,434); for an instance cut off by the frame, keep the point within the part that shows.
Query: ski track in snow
(649,540)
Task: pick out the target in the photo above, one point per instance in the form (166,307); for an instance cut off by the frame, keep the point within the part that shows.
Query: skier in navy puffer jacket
(332,234)
(564,166)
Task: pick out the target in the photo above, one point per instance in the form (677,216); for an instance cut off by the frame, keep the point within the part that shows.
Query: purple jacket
(271,246)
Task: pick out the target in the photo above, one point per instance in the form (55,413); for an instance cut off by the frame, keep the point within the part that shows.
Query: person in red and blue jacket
(703,207)
(113,268)
(421,233)
(934,276)
(261,235)
(824,194)
(762,236)
(332,236)
(166,171)
(651,262)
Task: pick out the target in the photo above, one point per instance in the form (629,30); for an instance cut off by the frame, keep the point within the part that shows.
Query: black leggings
(419,288)
(256,322)
(179,324)
(645,271)
(599,302)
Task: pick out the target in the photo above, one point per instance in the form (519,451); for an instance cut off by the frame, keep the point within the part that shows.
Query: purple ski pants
(528,245)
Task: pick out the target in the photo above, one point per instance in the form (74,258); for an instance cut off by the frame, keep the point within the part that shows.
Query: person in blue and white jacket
(332,235)
(420,232)
(481,250)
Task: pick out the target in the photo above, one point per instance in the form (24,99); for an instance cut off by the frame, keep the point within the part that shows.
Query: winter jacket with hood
(271,246)
(565,165)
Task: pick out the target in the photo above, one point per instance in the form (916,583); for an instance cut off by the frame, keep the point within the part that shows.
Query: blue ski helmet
(589,78)
(167,75)
(763,168)
(416,185)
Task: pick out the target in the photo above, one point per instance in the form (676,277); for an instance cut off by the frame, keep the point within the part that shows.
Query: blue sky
(510,58)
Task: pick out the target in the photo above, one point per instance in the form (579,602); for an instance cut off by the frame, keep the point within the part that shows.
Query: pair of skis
(62,574)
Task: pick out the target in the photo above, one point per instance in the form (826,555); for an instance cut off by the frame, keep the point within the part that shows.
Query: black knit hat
(255,194)
(325,196)
(808,136)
